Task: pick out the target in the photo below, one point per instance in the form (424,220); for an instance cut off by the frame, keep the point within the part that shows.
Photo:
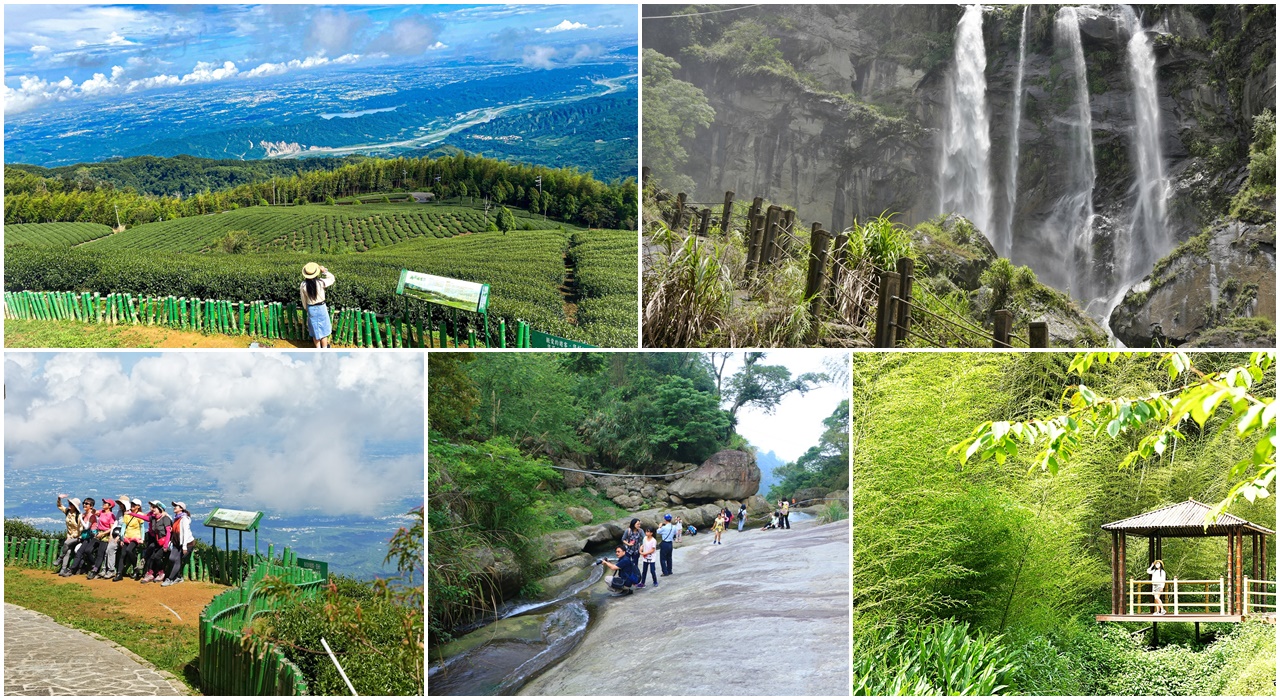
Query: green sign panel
(242,520)
(459,294)
(538,339)
(319,566)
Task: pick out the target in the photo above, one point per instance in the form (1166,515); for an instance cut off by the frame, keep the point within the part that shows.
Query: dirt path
(765,613)
(70,334)
(180,604)
(569,290)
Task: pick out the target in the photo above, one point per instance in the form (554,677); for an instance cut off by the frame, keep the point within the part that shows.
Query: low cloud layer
(274,430)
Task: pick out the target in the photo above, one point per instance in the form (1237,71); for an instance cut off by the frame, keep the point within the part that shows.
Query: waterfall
(964,178)
(1148,237)
(1070,225)
(1004,246)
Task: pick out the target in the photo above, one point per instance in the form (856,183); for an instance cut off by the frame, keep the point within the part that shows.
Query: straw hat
(311,271)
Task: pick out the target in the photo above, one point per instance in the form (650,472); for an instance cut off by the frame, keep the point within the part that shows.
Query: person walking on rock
(312,291)
(668,534)
(648,552)
(742,516)
(71,512)
(718,529)
(631,538)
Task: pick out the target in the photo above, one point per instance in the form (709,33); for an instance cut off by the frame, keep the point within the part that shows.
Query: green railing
(233,664)
(270,320)
(44,553)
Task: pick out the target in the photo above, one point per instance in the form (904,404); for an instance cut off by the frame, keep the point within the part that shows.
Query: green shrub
(23,530)
(935,659)
(372,671)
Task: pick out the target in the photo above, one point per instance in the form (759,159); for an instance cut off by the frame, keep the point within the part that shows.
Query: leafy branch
(1203,395)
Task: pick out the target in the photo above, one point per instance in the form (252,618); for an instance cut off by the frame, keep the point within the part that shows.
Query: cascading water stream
(1004,245)
(1070,225)
(1148,236)
(964,178)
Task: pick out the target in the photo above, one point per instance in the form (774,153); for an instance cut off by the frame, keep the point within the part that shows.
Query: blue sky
(57,53)
(344,428)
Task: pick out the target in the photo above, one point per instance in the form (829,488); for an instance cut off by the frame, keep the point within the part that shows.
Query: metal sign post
(448,292)
(241,521)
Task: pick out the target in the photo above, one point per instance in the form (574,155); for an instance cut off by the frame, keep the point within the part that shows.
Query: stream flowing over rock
(1116,132)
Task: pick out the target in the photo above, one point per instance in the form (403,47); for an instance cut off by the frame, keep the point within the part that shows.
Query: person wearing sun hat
(180,544)
(72,513)
(130,537)
(315,279)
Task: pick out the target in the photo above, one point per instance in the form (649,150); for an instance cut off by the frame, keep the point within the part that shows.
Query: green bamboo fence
(203,564)
(230,664)
(270,320)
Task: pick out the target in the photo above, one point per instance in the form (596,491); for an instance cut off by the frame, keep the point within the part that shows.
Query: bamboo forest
(1010,510)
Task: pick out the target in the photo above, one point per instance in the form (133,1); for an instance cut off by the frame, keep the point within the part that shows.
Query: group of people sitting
(111,542)
(781,519)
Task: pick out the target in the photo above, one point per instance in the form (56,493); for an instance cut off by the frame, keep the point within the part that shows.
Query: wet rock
(522,628)
(576,561)
(561,544)
(727,474)
(553,584)
(1218,279)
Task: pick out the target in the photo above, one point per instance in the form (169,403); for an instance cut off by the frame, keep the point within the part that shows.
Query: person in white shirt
(1156,571)
(180,543)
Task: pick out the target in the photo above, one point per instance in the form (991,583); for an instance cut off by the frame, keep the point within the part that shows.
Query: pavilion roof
(1184,519)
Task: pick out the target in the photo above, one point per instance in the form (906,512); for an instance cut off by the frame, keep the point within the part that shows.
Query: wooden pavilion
(1242,594)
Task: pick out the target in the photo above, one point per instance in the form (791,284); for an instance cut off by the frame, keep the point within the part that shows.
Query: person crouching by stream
(312,291)
(626,576)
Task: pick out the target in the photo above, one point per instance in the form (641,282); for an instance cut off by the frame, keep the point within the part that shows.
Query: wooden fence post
(839,253)
(726,215)
(885,311)
(787,224)
(705,223)
(906,271)
(818,240)
(678,220)
(1038,334)
(1003,325)
(771,218)
(755,229)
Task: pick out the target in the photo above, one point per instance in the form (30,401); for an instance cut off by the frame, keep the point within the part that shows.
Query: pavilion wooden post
(1239,535)
(1116,587)
(1254,538)
(1124,559)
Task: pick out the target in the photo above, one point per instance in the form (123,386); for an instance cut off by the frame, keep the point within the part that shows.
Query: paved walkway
(766,613)
(42,657)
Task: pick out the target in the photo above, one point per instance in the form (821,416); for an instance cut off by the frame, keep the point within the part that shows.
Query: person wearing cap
(96,549)
(312,291)
(667,535)
(180,544)
(162,529)
(130,537)
(71,512)
(85,548)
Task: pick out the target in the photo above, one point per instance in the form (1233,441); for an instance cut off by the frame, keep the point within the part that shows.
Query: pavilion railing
(1260,596)
(1204,598)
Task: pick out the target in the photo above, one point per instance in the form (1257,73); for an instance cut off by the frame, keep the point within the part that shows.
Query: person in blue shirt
(627,573)
(667,535)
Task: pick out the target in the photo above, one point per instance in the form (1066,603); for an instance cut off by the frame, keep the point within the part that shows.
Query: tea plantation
(365,246)
(57,234)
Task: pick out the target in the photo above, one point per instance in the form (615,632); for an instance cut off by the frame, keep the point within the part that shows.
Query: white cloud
(539,57)
(208,72)
(116,40)
(409,36)
(564,26)
(335,31)
(39,49)
(586,52)
(437,46)
(266,426)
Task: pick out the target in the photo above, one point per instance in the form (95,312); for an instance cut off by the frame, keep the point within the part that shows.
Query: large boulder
(727,474)
(579,513)
(628,500)
(809,494)
(561,544)
(758,505)
(1224,278)
(842,496)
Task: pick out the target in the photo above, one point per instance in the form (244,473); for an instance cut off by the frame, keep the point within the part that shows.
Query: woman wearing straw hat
(312,290)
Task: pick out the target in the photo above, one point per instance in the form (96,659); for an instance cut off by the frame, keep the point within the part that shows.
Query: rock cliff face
(1234,262)
(849,127)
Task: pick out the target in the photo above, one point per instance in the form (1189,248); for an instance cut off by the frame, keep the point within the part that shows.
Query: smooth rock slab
(42,657)
(786,591)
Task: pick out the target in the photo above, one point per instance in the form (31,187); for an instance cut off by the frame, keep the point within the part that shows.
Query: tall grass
(936,659)
(688,291)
